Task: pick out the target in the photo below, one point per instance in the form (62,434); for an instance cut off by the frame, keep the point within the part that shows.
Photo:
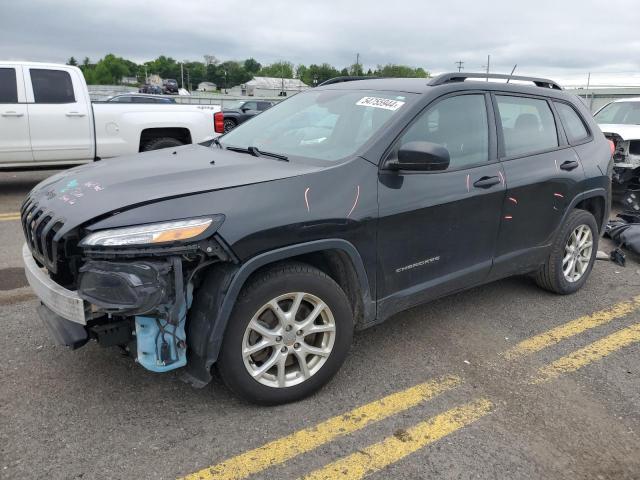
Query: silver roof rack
(461,77)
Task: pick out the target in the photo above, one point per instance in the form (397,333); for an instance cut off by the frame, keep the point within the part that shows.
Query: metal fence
(100,93)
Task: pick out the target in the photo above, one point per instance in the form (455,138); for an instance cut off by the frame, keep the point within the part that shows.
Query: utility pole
(182,74)
(357,63)
(460,65)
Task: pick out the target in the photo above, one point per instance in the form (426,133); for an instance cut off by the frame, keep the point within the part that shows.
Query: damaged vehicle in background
(620,123)
(262,254)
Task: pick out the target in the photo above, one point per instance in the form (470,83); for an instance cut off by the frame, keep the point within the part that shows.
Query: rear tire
(570,261)
(290,369)
(229,124)
(162,142)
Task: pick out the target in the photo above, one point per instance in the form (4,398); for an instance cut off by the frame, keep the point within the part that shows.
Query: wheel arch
(179,133)
(336,257)
(595,202)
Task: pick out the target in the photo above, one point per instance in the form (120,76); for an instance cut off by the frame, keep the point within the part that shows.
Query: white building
(269,87)
(207,87)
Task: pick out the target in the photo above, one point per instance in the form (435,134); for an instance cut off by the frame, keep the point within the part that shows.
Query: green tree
(72,61)
(252,66)
(278,69)
(400,71)
(344,72)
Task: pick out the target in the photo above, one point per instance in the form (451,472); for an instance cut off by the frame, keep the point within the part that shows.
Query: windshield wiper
(259,153)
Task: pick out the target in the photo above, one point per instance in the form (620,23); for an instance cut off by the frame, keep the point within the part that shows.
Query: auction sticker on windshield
(378,102)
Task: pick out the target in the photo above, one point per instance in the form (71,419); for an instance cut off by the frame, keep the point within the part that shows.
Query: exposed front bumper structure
(64,303)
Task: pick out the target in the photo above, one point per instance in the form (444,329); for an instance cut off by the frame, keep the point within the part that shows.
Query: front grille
(40,227)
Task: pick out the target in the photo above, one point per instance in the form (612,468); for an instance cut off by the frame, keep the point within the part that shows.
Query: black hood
(84,193)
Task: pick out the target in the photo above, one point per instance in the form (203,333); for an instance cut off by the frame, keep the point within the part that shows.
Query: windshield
(625,113)
(319,124)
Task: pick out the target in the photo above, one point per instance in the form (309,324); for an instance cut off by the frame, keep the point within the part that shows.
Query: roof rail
(461,77)
(349,78)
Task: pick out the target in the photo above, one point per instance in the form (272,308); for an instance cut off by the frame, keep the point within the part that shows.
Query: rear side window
(52,86)
(457,123)
(8,86)
(573,124)
(527,125)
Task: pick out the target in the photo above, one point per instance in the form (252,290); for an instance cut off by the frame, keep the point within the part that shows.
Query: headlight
(152,233)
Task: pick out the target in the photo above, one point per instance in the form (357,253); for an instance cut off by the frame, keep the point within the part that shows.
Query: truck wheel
(229,125)
(289,333)
(162,142)
(572,255)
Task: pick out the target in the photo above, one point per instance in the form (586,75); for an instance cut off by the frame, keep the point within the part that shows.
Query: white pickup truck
(47,119)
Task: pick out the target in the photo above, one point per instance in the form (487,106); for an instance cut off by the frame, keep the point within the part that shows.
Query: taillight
(612,145)
(218,122)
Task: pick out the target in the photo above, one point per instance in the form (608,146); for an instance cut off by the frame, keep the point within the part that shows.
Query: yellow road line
(570,329)
(592,352)
(285,448)
(9,216)
(396,447)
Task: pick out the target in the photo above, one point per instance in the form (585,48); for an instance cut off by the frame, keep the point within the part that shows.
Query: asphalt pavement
(502,381)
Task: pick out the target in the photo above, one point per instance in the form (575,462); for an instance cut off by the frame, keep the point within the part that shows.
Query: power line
(460,65)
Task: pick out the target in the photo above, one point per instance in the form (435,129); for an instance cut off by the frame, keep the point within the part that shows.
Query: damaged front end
(132,286)
(626,170)
(145,302)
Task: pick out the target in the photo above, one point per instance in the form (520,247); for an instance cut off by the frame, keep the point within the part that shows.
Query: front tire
(289,333)
(572,256)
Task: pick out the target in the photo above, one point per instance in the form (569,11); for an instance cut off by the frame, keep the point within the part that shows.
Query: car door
(59,115)
(437,230)
(249,109)
(15,143)
(542,173)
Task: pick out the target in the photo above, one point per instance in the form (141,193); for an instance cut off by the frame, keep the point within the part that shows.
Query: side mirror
(424,156)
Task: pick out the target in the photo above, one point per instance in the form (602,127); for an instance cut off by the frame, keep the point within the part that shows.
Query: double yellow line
(5,217)
(380,455)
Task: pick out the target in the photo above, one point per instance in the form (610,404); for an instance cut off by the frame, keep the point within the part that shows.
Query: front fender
(205,334)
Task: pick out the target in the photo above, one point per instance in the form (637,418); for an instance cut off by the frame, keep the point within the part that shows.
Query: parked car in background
(47,119)
(620,122)
(170,86)
(150,89)
(243,111)
(139,98)
(261,254)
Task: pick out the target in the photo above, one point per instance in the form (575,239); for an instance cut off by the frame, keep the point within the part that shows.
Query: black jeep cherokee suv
(331,211)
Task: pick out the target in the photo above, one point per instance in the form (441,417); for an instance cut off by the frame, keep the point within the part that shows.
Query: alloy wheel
(577,253)
(288,340)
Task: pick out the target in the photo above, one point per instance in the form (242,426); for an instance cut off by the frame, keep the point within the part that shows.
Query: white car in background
(47,119)
(620,123)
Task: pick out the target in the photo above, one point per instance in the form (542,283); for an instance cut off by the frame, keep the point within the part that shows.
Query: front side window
(573,124)
(527,125)
(457,123)
(320,124)
(8,86)
(52,86)
(250,106)
(622,113)
(125,99)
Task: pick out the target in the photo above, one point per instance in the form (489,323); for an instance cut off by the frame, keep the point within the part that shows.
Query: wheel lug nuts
(278,339)
(283,349)
(296,345)
(299,333)
(288,328)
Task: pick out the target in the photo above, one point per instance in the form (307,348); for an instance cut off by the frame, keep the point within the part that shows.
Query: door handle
(569,165)
(75,114)
(486,182)
(12,114)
